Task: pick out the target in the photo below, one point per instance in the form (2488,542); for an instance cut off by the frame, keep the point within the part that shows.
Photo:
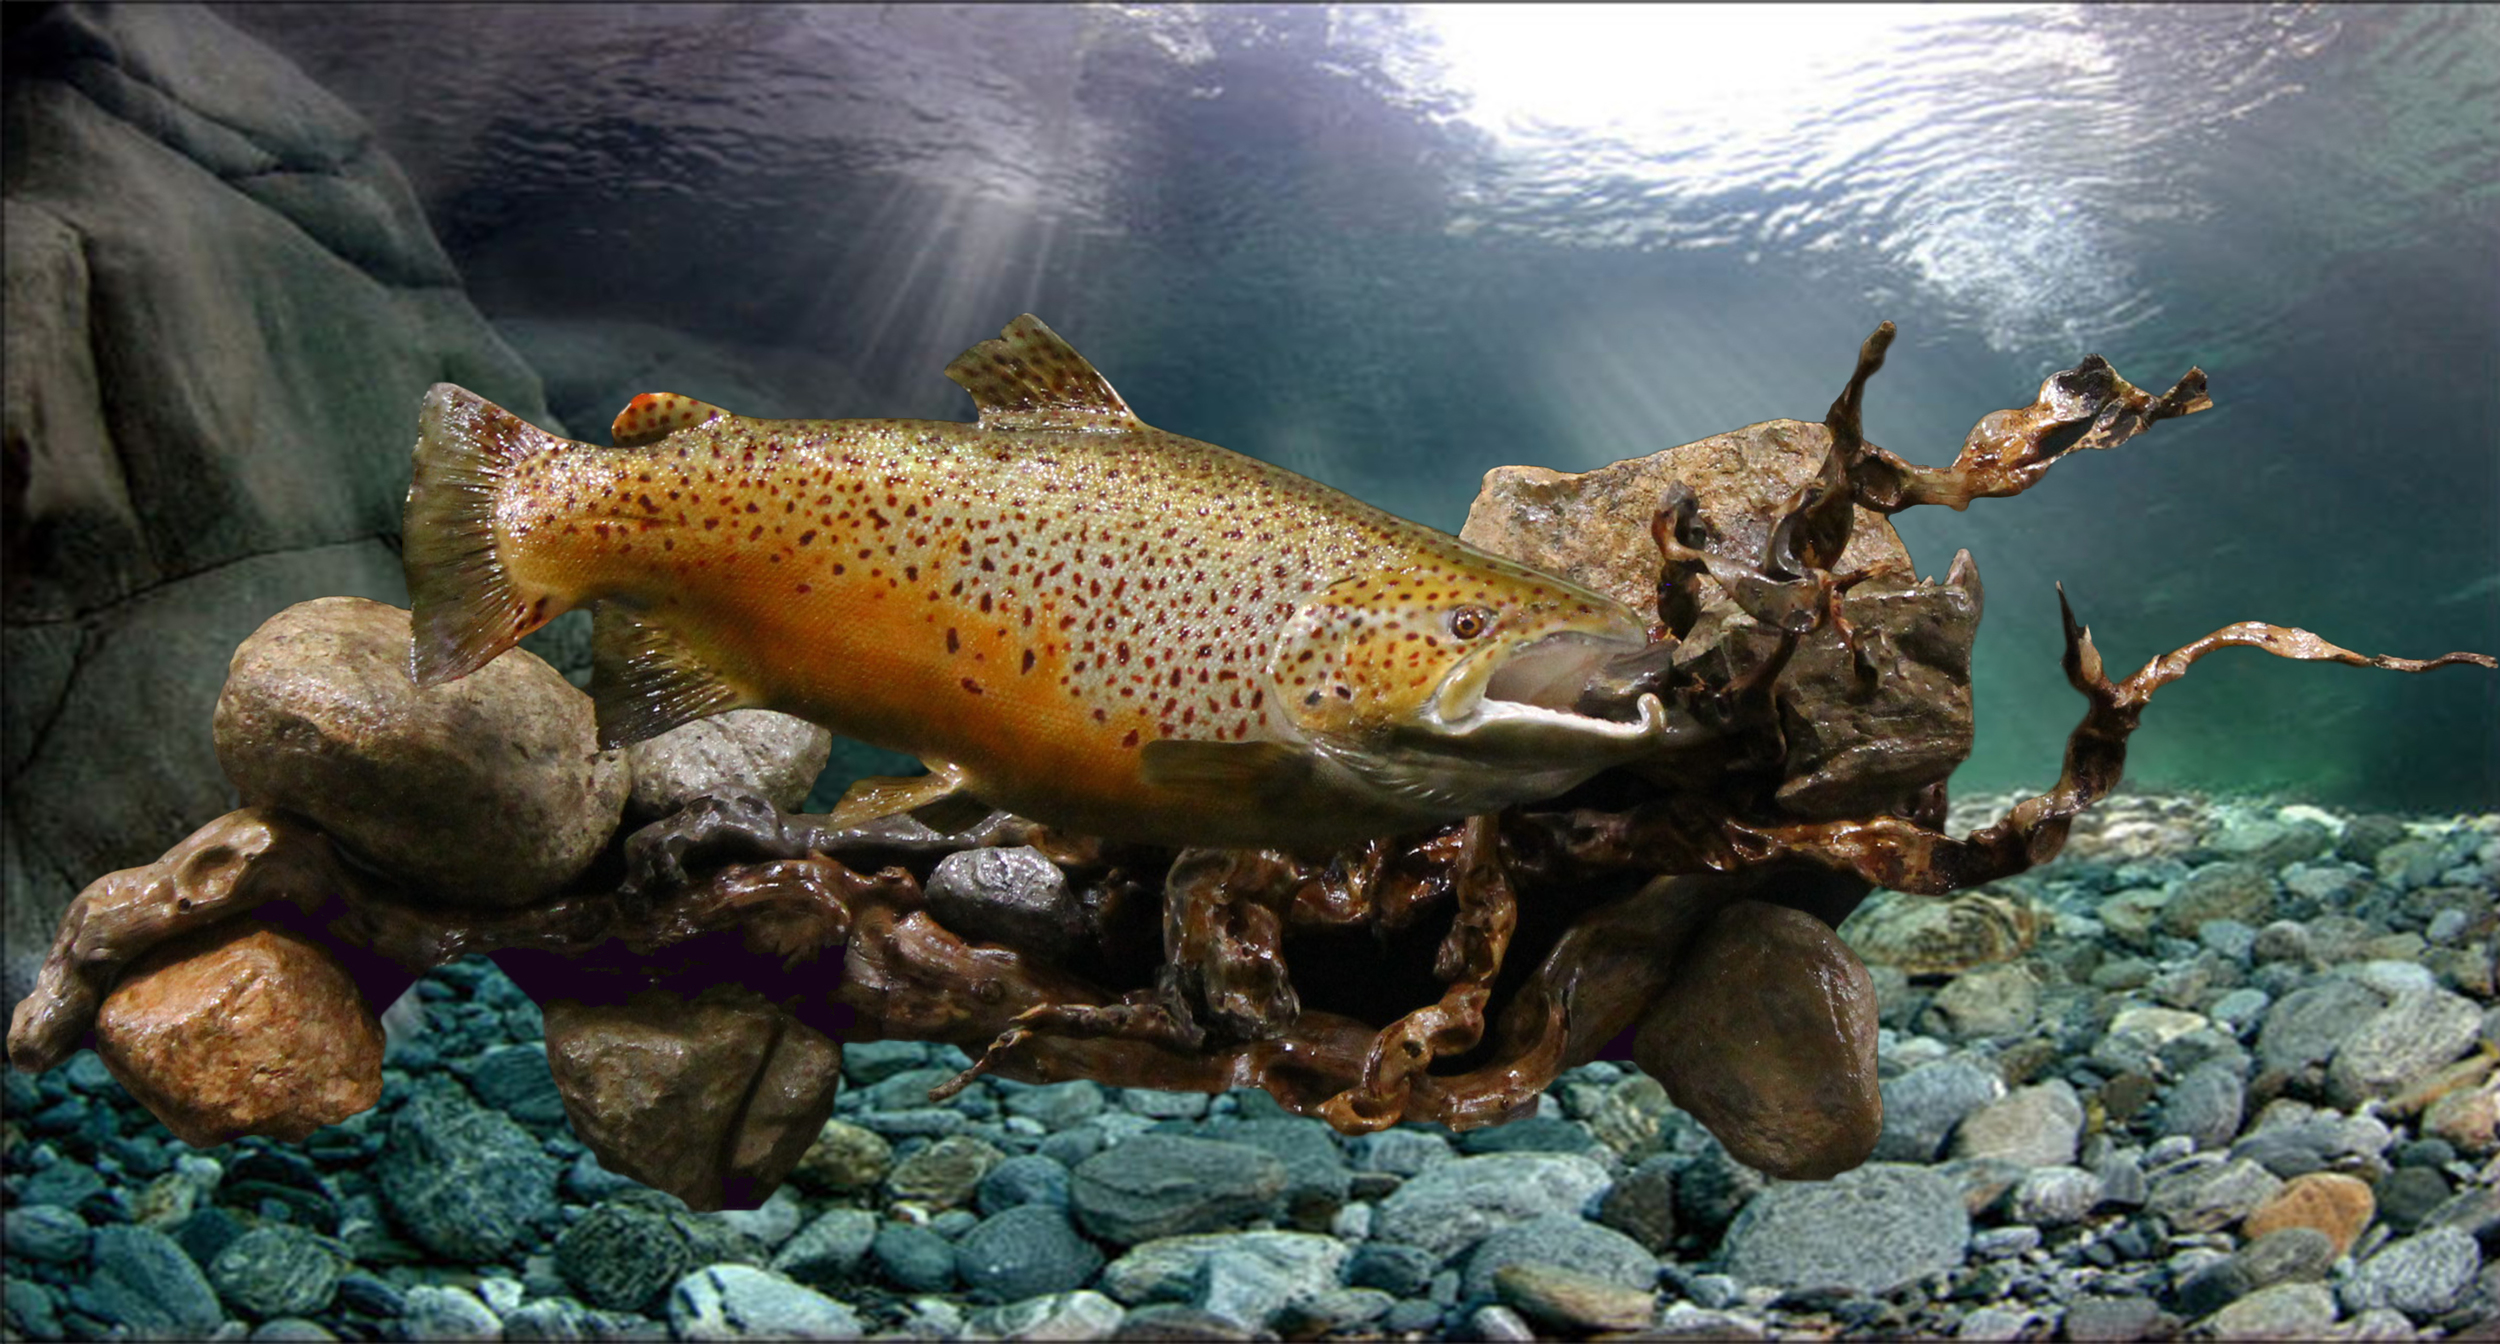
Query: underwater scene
(612,730)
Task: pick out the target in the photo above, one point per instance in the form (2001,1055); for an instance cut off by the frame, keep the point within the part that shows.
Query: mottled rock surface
(488,790)
(223,304)
(773,756)
(240,1029)
(1870,1230)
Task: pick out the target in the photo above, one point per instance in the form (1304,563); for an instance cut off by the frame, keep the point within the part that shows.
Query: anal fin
(937,800)
(645,680)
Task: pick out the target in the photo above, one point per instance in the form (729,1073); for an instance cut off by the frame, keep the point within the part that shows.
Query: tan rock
(489,790)
(1572,1301)
(2426,1091)
(2467,1119)
(1924,935)
(1990,1001)
(844,1158)
(713,1100)
(242,1028)
(229,866)
(2338,1205)
(1767,1036)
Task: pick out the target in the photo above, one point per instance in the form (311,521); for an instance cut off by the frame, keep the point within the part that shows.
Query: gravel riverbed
(2239,1084)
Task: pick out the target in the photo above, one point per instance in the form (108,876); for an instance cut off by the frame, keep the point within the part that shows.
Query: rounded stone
(752,751)
(1027,1251)
(741,1301)
(944,1174)
(1161,1185)
(242,1028)
(488,790)
(1871,1230)
(844,1157)
(1563,1242)
(1767,1036)
(275,1271)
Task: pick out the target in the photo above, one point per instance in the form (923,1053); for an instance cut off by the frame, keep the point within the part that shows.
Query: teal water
(1393,248)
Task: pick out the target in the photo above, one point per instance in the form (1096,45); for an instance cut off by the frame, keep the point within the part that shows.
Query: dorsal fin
(1028,378)
(645,681)
(654,416)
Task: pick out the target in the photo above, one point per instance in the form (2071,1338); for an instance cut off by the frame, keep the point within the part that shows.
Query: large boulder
(222,305)
(488,790)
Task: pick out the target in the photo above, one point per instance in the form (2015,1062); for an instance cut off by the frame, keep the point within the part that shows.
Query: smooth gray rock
(2206,1105)
(2206,1197)
(1027,1251)
(1871,1230)
(743,1302)
(2417,1033)
(2054,1197)
(2307,1026)
(828,1250)
(45,1232)
(143,1280)
(1452,1204)
(1162,1185)
(435,1311)
(223,304)
(2098,1318)
(746,751)
(1565,1242)
(1027,1178)
(1922,1106)
(2036,1126)
(2284,1311)
(2229,890)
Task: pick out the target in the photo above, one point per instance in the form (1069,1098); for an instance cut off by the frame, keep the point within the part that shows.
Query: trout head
(1450,686)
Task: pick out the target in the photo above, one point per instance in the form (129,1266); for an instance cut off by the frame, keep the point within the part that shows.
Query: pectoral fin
(1224,773)
(938,800)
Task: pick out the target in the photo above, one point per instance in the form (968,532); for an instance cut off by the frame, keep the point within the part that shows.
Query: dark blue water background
(1392,248)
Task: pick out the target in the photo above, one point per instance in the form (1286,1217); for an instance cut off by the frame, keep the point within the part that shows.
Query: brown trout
(1060,610)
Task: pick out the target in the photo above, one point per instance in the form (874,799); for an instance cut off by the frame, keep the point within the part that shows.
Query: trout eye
(1468,622)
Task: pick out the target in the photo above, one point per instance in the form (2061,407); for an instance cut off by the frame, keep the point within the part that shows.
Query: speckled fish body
(1063,611)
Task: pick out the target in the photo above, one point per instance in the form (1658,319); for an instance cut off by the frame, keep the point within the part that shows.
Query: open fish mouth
(1550,673)
(1520,712)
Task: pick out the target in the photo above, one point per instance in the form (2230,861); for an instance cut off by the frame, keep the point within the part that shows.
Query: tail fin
(465,606)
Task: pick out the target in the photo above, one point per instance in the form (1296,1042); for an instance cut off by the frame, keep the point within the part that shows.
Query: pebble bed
(2241,1087)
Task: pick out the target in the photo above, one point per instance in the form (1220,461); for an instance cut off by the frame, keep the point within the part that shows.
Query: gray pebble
(743,1302)
(2421,1275)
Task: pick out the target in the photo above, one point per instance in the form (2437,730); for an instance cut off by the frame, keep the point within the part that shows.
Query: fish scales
(1027,603)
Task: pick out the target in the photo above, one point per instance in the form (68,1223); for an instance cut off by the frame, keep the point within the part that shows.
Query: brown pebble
(2339,1206)
(242,1028)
